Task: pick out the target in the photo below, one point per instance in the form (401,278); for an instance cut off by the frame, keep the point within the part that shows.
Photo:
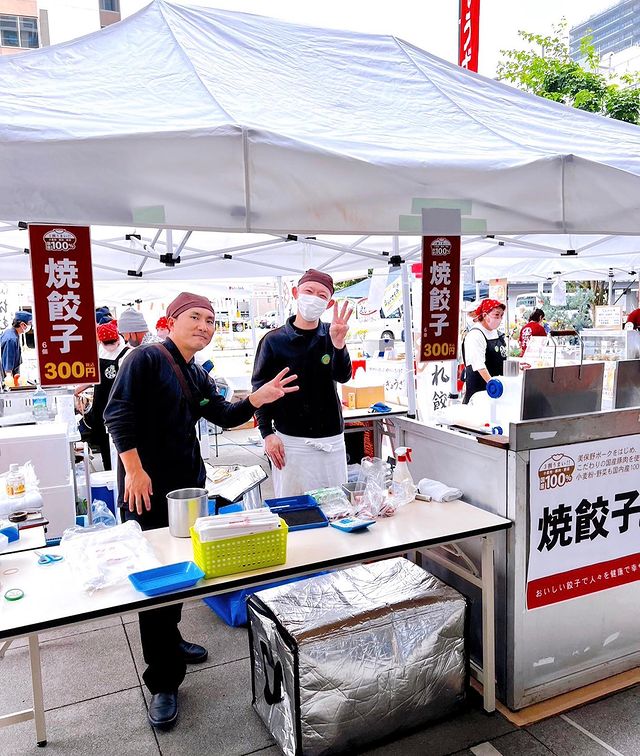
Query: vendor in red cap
(162,328)
(303,433)
(111,350)
(484,348)
(159,395)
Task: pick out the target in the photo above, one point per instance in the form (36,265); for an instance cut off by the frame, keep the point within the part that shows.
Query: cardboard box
(361,397)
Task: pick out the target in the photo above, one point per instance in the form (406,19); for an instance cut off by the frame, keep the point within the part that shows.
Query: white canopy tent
(183,117)
(540,257)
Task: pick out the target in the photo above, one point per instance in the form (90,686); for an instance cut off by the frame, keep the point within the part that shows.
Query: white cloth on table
(310,463)
(438,491)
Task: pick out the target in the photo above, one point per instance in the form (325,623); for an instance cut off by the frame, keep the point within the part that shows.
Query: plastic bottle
(39,401)
(15,482)
(401,472)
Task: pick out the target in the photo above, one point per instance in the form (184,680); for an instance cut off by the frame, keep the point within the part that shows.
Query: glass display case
(606,345)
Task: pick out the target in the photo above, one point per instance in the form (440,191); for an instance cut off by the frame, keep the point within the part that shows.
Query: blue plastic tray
(299,512)
(171,577)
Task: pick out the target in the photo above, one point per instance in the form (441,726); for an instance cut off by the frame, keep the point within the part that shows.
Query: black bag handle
(275,696)
(180,376)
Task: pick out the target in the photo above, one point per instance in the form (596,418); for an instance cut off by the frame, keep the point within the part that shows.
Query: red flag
(468,41)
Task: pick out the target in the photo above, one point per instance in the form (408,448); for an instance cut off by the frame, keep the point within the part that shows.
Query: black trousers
(159,631)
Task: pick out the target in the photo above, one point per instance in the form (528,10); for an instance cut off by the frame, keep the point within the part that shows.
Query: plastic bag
(101,514)
(333,502)
(101,556)
(376,494)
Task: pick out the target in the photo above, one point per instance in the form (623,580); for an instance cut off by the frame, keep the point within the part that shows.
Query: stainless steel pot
(185,505)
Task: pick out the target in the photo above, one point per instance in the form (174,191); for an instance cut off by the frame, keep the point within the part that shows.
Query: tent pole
(252,320)
(280,301)
(610,287)
(408,333)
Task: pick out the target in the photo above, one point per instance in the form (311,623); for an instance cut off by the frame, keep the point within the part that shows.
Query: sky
(429,24)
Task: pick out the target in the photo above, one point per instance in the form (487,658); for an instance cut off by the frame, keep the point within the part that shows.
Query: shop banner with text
(440,298)
(65,321)
(468,40)
(585,519)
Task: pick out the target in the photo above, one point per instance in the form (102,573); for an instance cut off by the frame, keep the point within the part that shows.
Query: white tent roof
(196,118)
(209,255)
(532,258)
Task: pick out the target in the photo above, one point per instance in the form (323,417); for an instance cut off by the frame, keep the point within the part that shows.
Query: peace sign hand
(275,389)
(340,325)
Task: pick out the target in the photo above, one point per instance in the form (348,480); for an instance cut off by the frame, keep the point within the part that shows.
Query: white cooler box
(345,659)
(45,445)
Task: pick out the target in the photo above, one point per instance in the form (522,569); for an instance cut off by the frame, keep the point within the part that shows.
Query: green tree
(546,69)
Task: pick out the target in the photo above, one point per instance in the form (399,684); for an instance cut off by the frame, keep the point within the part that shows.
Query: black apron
(108,370)
(495,355)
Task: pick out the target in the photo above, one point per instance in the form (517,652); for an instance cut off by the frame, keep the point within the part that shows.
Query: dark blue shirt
(11,350)
(148,411)
(315,410)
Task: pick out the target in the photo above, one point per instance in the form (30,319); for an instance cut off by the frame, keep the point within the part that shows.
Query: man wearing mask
(10,345)
(303,432)
(158,396)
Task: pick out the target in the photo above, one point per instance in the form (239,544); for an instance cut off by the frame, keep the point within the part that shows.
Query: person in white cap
(134,328)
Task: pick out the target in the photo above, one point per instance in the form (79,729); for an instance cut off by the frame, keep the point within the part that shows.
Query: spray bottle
(401,471)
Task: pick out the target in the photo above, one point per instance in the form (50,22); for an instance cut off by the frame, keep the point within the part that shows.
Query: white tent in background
(183,117)
(539,257)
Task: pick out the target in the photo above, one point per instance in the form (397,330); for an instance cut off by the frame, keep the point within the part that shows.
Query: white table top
(30,538)
(53,599)
(364,414)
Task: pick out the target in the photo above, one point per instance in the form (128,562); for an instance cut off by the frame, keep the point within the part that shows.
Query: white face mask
(310,307)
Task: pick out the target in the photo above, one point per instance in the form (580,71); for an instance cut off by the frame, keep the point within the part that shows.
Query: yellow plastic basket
(241,554)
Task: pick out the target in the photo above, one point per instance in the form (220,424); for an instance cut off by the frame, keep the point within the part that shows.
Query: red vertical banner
(469,34)
(65,322)
(440,298)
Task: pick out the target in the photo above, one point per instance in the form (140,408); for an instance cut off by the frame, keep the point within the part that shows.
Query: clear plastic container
(15,482)
(39,401)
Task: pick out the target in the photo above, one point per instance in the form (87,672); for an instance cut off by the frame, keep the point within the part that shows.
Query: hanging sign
(585,517)
(392,299)
(65,323)
(440,298)
(468,40)
(498,289)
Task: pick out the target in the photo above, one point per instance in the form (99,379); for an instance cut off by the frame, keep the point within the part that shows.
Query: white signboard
(584,519)
(609,317)
(392,298)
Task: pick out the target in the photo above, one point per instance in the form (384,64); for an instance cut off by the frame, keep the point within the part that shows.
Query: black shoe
(192,653)
(163,710)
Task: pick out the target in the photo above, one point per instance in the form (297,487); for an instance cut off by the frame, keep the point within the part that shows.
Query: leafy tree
(546,69)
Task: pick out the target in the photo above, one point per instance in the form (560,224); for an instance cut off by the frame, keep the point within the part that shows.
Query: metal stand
(486,583)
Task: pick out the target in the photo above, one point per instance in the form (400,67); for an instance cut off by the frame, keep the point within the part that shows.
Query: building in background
(614,29)
(29,24)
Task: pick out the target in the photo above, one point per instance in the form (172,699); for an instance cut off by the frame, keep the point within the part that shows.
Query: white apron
(310,463)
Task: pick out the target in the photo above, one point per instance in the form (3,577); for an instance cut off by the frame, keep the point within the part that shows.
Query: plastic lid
(14,467)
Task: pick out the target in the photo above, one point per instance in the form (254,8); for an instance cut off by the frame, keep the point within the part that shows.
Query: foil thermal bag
(348,658)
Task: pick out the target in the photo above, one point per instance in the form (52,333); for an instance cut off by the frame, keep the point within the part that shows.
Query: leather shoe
(192,653)
(163,710)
